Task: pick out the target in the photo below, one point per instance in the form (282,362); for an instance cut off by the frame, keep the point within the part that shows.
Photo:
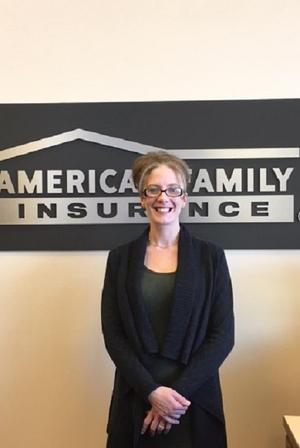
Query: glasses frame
(182,191)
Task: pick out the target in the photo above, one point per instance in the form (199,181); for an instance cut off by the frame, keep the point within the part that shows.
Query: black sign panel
(65,178)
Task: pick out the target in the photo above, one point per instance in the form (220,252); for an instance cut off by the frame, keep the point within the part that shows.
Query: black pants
(178,437)
(198,430)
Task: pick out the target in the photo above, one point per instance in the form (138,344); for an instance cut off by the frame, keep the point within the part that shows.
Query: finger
(146,423)
(160,427)
(168,426)
(175,415)
(183,401)
(154,426)
(172,420)
(176,406)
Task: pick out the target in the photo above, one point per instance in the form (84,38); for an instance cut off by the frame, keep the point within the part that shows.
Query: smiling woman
(163,199)
(167,320)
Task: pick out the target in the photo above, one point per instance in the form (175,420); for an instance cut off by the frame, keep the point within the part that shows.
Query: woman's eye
(153,190)
(174,191)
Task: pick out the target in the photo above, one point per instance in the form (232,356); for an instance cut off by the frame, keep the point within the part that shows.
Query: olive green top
(157,291)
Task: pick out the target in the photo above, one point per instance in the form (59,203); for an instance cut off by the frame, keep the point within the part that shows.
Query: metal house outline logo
(102,139)
(79,209)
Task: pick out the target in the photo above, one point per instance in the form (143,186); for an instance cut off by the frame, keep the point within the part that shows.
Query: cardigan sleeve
(219,338)
(116,341)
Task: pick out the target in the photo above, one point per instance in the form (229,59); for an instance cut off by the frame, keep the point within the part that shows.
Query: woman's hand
(168,403)
(155,424)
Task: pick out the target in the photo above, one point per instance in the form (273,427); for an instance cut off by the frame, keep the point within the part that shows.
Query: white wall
(55,376)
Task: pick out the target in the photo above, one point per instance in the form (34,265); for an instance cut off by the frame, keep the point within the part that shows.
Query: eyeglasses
(153,191)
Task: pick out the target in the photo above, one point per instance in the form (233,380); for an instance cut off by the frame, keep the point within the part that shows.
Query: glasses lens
(174,191)
(152,191)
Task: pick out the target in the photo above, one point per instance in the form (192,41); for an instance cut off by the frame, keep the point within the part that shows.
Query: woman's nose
(162,195)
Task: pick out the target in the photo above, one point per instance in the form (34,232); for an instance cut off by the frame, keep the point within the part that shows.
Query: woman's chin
(166,219)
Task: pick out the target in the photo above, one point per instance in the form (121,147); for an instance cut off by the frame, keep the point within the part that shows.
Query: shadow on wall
(261,378)
(54,377)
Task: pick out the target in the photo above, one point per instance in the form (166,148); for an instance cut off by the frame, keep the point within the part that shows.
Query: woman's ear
(185,199)
(142,200)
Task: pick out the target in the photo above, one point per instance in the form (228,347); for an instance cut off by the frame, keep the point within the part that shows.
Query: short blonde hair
(144,164)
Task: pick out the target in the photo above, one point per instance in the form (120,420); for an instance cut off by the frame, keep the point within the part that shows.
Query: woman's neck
(163,236)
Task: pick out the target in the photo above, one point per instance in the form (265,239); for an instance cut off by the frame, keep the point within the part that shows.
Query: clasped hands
(167,408)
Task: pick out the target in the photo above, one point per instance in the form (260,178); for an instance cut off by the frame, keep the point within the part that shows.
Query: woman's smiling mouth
(163,209)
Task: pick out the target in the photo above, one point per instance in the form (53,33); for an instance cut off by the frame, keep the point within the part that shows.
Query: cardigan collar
(182,300)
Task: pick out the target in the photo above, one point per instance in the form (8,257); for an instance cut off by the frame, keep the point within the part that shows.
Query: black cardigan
(199,335)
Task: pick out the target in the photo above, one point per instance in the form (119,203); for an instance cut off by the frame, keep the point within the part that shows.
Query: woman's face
(163,210)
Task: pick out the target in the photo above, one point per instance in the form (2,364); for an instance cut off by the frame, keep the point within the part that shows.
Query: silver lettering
(250,179)
(92,181)
(230,208)
(54,181)
(127,183)
(34,185)
(203,182)
(283,177)
(231,183)
(6,183)
(264,186)
(75,179)
(102,181)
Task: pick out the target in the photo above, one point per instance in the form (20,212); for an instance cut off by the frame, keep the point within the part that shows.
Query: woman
(167,320)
